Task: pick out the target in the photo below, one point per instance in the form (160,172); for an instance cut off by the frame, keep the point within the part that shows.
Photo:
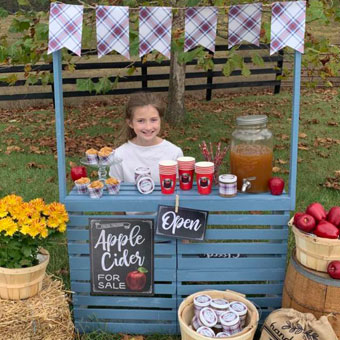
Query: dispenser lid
(251,120)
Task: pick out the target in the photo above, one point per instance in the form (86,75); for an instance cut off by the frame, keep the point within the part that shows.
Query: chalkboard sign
(121,253)
(186,223)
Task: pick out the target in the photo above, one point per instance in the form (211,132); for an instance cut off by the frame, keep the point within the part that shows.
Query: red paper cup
(168,183)
(204,183)
(186,178)
(186,163)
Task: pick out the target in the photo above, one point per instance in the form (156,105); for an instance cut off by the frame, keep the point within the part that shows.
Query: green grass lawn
(28,164)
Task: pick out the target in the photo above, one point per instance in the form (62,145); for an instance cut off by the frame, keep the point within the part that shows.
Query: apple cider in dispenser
(251,153)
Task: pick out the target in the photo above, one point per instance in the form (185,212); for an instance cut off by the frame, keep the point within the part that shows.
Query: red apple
(317,211)
(276,185)
(333,216)
(306,223)
(297,216)
(333,269)
(78,172)
(136,279)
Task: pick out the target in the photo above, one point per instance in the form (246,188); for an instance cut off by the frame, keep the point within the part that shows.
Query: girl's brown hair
(140,99)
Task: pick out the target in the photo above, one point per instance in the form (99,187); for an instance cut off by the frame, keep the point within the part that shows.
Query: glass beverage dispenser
(251,153)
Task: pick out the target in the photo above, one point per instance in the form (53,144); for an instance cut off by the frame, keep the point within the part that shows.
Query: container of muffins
(82,184)
(96,189)
(105,155)
(112,185)
(92,156)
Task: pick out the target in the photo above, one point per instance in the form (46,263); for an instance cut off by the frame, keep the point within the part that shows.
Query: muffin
(92,156)
(81,185)
(105,155)
(96,189)
(113,185)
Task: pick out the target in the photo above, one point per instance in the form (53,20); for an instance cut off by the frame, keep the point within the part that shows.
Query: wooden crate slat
(165,288)
(131,201)
(247,219)
(159,275)
(124,314)
(227,263)
(83,262)
(130,328)
(248,274)
(246,234)
(83,248)
(244,288)
(244,248)
(122,301)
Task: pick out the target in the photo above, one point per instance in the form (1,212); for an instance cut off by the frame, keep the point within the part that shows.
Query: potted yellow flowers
(24,226)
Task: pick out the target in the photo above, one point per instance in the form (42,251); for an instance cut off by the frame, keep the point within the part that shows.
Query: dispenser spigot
(247,183)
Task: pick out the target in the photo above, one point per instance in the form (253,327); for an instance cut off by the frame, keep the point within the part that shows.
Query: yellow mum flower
(8,225)
(38,227)
(12,200)
(62,227)
(37,204)
(3,209)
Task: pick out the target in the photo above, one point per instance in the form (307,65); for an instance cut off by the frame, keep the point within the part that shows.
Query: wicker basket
(315,252)
(22,283)
(186,313)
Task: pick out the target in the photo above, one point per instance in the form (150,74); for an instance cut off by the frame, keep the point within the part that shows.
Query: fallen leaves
(13,148)
(33,165)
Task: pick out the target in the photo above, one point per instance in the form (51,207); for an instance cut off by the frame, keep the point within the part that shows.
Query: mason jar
(251,153)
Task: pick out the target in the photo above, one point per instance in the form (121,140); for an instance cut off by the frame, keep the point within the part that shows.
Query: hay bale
(45,316)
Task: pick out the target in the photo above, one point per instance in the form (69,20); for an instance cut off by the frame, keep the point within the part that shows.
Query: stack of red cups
(167,175)
(186,166)
(204,177)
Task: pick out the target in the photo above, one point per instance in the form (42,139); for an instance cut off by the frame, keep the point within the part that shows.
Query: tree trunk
(176,110)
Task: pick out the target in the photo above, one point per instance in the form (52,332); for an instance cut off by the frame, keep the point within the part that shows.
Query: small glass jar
(227,185)
(251,153)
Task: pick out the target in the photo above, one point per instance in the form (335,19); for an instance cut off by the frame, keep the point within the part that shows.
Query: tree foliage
(25,43)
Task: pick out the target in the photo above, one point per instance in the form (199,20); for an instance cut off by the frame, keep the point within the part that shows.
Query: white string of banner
(155,27)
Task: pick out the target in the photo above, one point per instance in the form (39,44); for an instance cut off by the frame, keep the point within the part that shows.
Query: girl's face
(146,123)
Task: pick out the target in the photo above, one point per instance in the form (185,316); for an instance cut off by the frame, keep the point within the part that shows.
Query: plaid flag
(288,26)
(200,27)
(155,30)
(65,27)
(112,24)
(244,24)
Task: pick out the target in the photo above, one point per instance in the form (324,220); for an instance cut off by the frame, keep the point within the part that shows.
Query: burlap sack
(289,324)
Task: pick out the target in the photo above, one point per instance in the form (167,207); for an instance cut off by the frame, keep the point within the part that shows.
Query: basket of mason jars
(217,314)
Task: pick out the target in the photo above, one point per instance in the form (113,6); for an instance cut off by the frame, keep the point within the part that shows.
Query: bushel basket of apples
(317,240)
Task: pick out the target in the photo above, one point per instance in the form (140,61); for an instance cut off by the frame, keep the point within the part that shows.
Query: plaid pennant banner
(200,27)
(288,26)
(244,24)
(155,25)
(65,27)
(112,23)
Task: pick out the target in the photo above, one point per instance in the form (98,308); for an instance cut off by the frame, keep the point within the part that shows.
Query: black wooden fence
(272,67)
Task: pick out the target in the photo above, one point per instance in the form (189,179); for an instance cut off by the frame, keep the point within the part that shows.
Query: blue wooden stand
(182,268)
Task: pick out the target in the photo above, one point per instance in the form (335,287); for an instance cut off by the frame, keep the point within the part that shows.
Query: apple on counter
(276,185)
(136,279)
(77,171)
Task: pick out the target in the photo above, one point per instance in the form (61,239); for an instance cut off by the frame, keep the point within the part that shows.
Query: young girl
(143,146)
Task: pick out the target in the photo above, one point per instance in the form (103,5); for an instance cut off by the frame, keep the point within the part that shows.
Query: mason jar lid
(239,307)
(227,178)
(202,300)
(251,120)
(219,304)
(206,331)
(145,184)
(229,318)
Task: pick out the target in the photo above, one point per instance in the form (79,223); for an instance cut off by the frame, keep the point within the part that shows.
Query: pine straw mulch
(45,316)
